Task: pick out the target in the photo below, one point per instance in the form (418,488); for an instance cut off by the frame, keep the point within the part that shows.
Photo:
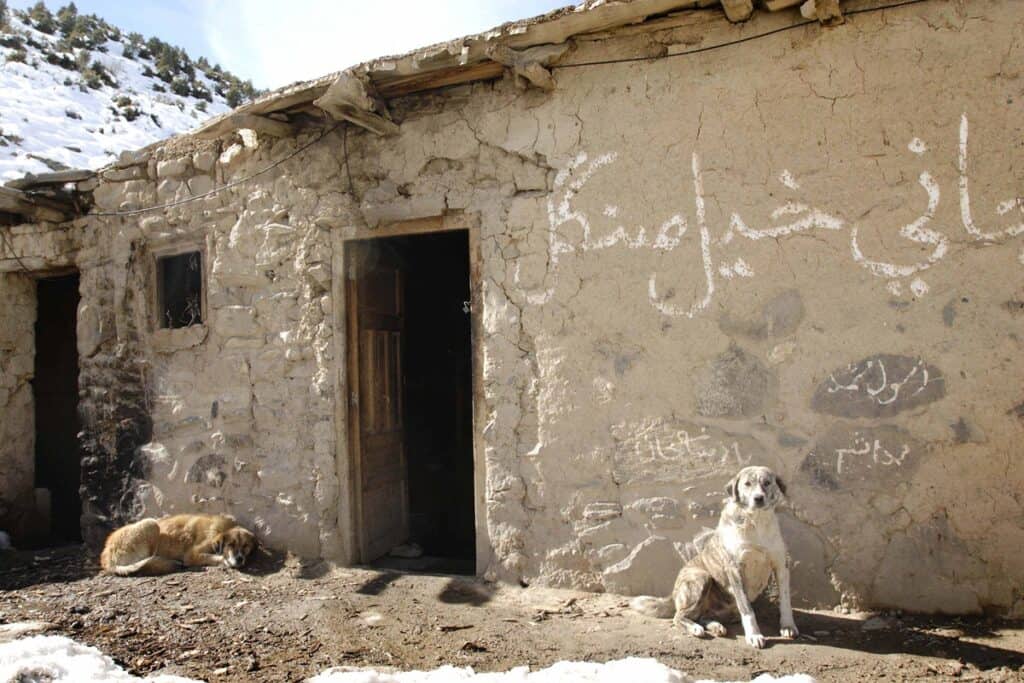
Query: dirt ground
(284,620)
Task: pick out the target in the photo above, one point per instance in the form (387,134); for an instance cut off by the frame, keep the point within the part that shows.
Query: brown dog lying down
(160,546)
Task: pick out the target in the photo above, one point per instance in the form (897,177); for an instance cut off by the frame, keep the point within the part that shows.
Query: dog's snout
(759,499)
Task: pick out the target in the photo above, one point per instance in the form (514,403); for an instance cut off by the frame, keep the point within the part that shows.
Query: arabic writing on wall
(789,218)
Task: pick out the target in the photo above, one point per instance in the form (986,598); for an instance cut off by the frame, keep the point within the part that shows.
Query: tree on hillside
(41,18)
(239,92)
(4,20)
(135,45)
(66,17)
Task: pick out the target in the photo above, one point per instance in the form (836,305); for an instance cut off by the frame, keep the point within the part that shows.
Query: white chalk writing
(885,390)
(870,449)
(791,217)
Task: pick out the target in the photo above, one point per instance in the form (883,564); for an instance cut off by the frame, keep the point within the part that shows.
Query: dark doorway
(55,392)
(415,291)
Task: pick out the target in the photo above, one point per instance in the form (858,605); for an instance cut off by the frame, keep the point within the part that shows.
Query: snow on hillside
(59,110)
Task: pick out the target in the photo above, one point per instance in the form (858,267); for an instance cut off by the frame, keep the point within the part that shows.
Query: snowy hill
(75,91)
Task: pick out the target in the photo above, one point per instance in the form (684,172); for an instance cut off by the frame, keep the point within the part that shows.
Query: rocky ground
(283,620)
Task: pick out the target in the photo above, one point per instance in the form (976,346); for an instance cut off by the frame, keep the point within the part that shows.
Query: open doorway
(55,393)
(411,375)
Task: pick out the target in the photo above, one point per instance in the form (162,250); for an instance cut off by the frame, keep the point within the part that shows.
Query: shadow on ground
(64,564)
(945,637)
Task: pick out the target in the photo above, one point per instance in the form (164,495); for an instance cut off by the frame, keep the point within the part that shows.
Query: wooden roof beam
(350,99)
(34,207)
(261,124)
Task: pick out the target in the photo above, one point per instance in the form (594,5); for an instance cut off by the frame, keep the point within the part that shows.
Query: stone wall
(17,419)
(804,251)
(241,405)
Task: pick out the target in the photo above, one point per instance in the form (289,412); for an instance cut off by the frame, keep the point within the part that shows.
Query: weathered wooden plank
(239,120)
(34,208)
(57,178)
(560,28)
(438,78)
(776,5)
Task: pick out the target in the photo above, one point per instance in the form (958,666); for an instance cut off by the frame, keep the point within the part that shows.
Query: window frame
(157,293)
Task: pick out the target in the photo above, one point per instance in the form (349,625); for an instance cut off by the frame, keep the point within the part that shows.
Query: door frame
(346,382)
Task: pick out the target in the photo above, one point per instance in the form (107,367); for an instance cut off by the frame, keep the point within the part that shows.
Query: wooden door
(376,305)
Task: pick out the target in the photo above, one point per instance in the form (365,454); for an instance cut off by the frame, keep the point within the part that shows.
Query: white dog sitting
(731,564)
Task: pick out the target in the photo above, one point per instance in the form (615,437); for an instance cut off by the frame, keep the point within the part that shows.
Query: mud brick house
(531,297)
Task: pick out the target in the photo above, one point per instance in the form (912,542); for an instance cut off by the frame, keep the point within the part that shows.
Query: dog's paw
(696,630)
(789,631)
(716,629)
(755,640)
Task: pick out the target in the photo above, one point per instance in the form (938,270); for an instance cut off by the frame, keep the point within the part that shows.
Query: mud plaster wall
(803,252)
(17,420)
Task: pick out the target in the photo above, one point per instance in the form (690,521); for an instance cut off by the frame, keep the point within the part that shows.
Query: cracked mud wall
(804,252)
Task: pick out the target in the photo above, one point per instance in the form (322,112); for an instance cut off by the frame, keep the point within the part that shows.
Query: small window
(180,289)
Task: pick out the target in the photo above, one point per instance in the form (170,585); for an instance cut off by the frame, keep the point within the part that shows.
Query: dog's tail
(149,566)
(660,608)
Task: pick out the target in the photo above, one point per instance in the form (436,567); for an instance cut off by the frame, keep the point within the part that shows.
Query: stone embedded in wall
(966,431)
(852,457)
(733,385)
(879,386)
(172,168)
(779,317)
(649,569)
(208,470)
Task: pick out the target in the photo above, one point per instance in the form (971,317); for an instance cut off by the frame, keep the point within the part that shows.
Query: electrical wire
(234,183)
(10,248)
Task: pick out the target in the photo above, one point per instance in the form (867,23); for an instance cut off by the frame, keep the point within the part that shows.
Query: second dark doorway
(55,393)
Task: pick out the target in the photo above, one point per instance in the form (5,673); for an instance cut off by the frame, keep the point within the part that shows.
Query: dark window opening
(180,289)
(55,394)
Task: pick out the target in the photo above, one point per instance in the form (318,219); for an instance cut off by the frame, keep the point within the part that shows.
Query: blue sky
(275,42)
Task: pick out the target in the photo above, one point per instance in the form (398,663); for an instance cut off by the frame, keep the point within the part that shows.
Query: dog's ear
(732,488)
(781,484)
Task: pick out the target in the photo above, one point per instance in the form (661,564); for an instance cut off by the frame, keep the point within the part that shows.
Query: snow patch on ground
(62,660)
(630,670)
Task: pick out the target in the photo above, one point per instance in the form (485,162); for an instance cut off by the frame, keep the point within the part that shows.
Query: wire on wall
(169,205)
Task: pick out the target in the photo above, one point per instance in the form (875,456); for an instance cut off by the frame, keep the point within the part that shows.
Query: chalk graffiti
(1002,208)
(850,457)
(879,385)
(870,449)
(790,218)
(677,449)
